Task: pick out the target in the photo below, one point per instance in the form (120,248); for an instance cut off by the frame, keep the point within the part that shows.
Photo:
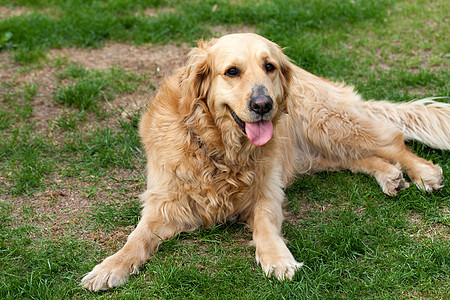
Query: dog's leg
(116,269)
(356,150)
(271,251)
(387,169)
(389,176)
(426,175)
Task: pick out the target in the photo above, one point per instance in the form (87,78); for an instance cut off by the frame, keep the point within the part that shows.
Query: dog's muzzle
(260,131)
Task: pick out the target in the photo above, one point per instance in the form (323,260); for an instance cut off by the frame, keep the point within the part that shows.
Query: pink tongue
(260,132)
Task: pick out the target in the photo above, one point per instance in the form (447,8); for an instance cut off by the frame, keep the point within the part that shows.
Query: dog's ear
(195,77)
(287,75)
(287,70)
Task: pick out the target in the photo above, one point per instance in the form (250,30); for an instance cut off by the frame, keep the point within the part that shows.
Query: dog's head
(242,79)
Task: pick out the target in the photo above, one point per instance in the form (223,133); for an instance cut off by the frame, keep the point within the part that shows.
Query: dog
(233,127)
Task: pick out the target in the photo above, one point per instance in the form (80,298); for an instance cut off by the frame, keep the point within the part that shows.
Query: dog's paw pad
(391,186)
(402,184)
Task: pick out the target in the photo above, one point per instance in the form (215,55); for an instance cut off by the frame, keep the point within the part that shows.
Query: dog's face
(244,80)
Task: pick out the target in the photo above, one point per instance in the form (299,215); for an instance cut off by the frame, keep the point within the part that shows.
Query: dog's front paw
(110,273)
(281,266)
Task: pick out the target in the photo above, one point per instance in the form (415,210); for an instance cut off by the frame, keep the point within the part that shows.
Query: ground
(71,170)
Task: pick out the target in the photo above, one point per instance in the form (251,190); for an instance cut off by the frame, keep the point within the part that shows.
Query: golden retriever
(233,128)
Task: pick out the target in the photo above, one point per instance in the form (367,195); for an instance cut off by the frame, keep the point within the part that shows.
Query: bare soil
(6,12)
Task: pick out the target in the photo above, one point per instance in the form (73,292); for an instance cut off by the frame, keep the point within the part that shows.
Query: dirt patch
(66,207)
(7,68)
(114,240)
(155,12)
(6,12)
(302,209)
(155,62)
(427,230)
(223,30)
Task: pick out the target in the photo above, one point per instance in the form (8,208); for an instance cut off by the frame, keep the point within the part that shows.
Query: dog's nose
(261,104)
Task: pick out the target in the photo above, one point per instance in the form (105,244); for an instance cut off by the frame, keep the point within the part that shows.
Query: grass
(90,87)
(71,165)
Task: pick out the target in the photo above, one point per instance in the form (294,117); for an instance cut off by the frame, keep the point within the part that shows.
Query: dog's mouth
(259,133)
(238,121)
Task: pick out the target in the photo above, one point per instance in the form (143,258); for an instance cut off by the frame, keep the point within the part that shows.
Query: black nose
(261,104)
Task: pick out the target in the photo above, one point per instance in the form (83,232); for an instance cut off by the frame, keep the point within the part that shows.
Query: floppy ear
(287,74)
(195,77)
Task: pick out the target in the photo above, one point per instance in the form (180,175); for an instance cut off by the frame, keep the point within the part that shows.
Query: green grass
(35,266)
(69,183)
(90,87)
(83,94)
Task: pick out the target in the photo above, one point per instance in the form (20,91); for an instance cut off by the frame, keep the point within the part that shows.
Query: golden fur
(203,169)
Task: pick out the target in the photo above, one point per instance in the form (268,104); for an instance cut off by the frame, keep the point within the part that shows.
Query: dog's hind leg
(116,269)
(424,120)
(350,143)
(425,175)
(388,161)
(389,176)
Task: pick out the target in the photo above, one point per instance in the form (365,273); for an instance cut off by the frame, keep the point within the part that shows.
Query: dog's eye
(269,67)
(232,72)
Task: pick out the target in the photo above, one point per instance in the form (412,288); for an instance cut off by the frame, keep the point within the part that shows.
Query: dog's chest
(215,190)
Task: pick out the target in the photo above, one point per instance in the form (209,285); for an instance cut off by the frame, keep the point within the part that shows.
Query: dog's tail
(423,120)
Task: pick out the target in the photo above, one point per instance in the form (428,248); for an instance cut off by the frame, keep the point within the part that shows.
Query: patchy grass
(90,87)
(82,94)
(71,165)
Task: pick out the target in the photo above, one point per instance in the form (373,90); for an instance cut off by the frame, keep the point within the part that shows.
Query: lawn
(74,78)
